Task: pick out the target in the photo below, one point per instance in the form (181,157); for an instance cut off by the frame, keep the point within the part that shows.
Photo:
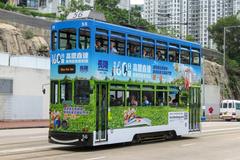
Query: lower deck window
(133,98)
(161,98)
(173,98)
(147,98)
(117,98)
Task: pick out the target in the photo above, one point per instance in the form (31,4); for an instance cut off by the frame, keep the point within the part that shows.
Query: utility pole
(129,12)
(224,46)
(181,17)
(187,20)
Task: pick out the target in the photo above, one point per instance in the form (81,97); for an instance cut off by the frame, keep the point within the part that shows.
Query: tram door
(101,112)
(194,109)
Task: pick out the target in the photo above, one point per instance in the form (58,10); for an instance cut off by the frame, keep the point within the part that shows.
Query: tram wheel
(137,139)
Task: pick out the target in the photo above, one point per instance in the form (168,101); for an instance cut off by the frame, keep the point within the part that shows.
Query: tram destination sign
(78,15)
(67,69)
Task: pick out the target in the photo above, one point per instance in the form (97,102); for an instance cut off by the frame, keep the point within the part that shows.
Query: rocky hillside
(213,74)
(19,42)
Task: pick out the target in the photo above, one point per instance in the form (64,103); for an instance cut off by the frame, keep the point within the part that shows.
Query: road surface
(218,141)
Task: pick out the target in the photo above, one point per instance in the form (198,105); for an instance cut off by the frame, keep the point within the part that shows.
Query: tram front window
(82,92)
(54,92)
(66,91)
(67,39)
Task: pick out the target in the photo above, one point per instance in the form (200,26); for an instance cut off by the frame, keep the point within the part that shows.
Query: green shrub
(26,11)
(10,7)
(28,34)
(23,10)
(2,5)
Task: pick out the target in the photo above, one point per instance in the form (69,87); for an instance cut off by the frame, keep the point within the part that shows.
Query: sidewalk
(17,124)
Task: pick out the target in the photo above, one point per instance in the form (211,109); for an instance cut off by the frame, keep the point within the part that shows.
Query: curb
(25,127)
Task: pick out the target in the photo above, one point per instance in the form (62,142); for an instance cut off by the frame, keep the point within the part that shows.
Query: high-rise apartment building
(189,17)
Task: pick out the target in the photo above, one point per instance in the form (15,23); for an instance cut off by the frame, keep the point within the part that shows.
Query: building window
(42,3)
(63,2)
(6,86)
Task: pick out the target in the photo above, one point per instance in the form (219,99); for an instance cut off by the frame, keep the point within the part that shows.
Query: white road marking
(29,149)
(188,144)
(96,158)
(221,129)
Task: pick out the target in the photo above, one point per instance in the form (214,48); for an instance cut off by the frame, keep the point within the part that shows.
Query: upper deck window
(195,57)
(84,38)
(173,55)
(67,39)
(54,40)
(101,43)
(161,51)
(117,43)
(134,46)
(185,55)
(148,48)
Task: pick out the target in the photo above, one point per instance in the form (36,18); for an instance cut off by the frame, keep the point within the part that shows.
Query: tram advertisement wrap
(105,66)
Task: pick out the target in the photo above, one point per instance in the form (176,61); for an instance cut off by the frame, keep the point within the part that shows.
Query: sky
(137,1)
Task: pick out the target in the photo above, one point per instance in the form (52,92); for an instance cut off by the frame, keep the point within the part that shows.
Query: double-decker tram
(114,84)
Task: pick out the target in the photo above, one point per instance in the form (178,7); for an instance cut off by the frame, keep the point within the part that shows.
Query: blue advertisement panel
(102,66)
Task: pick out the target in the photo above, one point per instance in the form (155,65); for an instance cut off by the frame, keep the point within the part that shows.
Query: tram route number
(78,15)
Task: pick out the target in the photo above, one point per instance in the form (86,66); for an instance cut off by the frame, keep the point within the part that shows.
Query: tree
(190,38)
(232,36)
(232,48)
(73,6)
(101,5)
(116,15)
